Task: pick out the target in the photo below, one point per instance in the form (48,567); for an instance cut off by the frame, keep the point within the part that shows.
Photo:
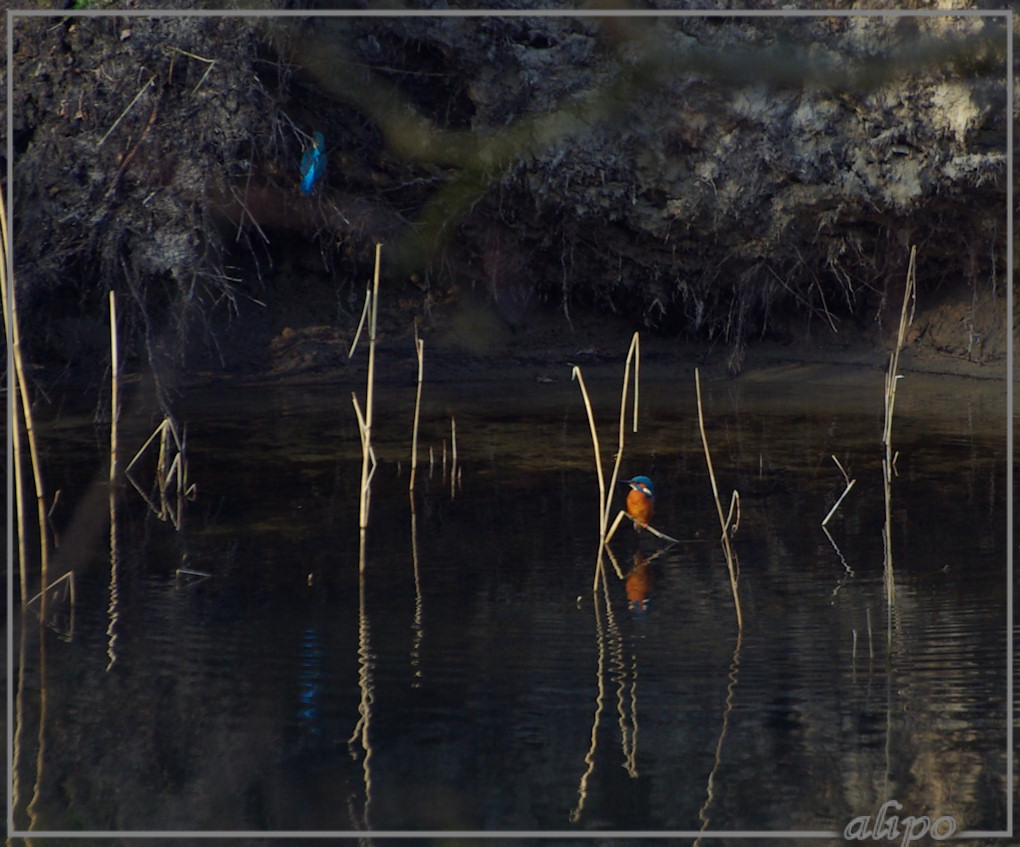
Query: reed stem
(20,386)
(114,387)
(603,517)
(727,549)
(633,354)
(892,377)
(419,346)
(367,457)
(15,417)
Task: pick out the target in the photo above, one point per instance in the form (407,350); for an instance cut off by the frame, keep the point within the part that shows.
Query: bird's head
(642,484)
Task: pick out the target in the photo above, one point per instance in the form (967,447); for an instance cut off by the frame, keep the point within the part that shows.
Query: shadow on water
(504,694)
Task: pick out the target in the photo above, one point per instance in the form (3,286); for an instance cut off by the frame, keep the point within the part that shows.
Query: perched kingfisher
(640,500)
(313,163)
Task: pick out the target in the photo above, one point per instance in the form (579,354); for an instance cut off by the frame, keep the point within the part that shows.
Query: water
(474,680)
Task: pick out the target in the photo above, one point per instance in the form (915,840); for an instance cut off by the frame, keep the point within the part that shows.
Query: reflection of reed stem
(19,721)
(112,608)
(627,715)
(453,457)
(361,728)
(727,549)
(417,626)
(589,758)
(730,688)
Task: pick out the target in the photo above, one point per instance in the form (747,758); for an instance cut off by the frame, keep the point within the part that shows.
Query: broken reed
(368,462)
(849,485)
(724,522)
(169,472)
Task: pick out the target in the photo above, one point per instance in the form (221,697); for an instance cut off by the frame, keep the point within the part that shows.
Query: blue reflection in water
(310,678)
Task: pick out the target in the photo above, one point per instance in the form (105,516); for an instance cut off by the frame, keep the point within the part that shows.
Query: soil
(741,192)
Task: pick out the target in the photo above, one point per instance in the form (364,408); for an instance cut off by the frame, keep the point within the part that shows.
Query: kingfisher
(313,163)
(640,500)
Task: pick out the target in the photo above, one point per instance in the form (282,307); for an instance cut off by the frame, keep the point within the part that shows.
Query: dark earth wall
(724,179)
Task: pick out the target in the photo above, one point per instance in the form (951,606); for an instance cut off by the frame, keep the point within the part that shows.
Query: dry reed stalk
(15,417)
(892,377)
(849,485)
(19,490)
(365,421)
(606,496)
(623,514)
(616,524)
(727,549)
(633,354)
(731,525)
(419,346)
(160,430)
(361,323)
(21,387)
(364,446)
(114,588)
(114,389)
(603,518)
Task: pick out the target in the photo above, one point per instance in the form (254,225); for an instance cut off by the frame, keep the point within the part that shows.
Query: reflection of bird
(640,500)
(313,163)
(639,584)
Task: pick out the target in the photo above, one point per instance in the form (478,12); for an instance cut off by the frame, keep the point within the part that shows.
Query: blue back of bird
(313,163)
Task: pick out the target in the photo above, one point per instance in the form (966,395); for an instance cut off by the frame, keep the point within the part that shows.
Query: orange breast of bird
(640,507)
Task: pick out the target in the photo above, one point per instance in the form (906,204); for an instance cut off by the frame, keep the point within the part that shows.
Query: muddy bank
(467,340)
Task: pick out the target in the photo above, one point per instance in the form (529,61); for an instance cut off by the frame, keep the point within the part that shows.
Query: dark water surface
(474,681)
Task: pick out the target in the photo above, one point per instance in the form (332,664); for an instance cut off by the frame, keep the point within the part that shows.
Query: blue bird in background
(313,163)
